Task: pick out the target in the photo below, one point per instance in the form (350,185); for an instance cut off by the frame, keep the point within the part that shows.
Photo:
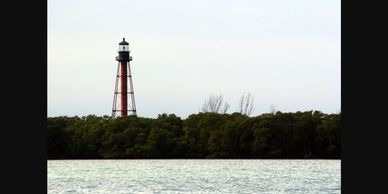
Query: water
(194,176)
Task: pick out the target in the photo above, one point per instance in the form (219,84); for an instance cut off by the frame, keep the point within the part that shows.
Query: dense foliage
(310,134)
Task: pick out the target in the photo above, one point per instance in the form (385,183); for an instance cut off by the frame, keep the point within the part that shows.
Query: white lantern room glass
(123,48)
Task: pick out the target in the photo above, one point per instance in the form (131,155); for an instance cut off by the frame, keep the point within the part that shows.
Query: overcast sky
(285,52)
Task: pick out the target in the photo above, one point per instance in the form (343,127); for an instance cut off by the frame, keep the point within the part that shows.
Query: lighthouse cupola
(123,51)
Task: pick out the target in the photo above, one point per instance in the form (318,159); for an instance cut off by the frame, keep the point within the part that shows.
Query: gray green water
(194,176)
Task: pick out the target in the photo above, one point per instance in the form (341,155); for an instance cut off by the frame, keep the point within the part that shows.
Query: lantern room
(123,46)
(123,51)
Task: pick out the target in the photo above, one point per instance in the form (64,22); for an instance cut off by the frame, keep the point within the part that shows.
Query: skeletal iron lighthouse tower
(123,74)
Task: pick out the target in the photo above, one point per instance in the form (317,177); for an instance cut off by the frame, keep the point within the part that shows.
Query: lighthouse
(122,88)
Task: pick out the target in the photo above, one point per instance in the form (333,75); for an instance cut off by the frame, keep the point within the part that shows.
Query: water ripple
(194,176)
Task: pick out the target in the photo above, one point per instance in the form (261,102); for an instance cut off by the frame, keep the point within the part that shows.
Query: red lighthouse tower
(123,75)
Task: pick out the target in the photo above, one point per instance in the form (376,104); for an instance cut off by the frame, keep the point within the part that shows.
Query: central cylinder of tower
(123,81)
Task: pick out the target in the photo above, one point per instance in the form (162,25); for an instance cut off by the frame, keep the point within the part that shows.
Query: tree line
(205,135)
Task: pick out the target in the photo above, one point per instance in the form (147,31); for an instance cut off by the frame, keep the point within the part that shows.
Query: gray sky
(287,53)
